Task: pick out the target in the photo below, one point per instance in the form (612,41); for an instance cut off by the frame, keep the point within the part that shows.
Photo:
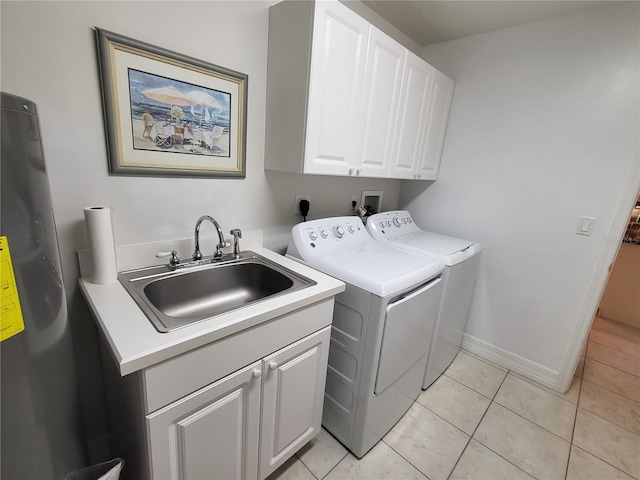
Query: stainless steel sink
(174,299)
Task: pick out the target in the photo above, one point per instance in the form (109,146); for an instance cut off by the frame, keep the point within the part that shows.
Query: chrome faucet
(236,243)
(197,254)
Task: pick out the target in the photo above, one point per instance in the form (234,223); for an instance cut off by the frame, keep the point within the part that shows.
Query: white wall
(543,129)
(49,56)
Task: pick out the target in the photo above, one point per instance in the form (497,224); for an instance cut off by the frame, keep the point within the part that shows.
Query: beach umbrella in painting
(203,98)
(206,100)
(170,96)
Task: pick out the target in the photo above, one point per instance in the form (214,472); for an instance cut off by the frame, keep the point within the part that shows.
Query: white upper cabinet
(380,101)
(335,89)
(416,90)
(439,106)
(343,98)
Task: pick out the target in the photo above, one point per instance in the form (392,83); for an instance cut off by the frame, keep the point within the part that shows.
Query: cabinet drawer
(174,378)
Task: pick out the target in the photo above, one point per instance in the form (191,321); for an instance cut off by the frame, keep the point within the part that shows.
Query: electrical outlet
(356,199)
(296,206)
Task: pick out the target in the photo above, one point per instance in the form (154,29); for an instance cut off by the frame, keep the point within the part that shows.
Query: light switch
(585,226)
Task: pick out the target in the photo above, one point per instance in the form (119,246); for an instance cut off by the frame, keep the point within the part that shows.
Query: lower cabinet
(211,433)
(247,424)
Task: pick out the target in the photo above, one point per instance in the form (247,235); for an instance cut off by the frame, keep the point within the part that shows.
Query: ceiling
(429,21)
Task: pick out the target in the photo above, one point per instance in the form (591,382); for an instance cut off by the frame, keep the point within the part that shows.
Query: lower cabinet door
(292,398)
(212,433)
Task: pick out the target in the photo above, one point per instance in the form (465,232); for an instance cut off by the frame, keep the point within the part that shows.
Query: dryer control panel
(386,225)
(328,235)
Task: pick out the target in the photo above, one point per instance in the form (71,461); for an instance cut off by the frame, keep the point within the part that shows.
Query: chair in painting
(178,137)
(147,120)
(213,138)
(164,136)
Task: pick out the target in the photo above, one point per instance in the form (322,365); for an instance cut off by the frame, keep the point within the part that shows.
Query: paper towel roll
(101,247)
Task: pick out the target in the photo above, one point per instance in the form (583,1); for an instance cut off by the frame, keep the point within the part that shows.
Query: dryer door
(408,327)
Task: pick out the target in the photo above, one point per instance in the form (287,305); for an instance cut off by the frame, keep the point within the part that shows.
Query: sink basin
(175,299)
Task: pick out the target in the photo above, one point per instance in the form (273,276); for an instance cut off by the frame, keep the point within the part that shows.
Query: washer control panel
(390,224)
(327,235)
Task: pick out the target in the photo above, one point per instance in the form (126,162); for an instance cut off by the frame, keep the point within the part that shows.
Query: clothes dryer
(461,259)
(382,326)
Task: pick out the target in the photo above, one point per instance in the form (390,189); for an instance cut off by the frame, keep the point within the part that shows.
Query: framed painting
(169,114)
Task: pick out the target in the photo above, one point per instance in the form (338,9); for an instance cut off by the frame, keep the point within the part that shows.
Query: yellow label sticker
(11,321)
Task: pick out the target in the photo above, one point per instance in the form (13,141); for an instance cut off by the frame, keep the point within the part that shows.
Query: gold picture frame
(169,114)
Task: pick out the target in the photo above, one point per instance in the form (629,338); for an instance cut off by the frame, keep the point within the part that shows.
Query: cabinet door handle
(257,373)
(273,365)
(350,172)
(357,171)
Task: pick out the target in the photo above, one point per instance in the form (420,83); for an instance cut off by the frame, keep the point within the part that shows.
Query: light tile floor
(480,421)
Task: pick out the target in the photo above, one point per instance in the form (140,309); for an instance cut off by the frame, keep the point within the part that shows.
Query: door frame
(608,252)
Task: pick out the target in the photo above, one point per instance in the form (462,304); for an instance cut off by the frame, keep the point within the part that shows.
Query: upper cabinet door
(335,89)
(440,104)
(381,98)
(412,119)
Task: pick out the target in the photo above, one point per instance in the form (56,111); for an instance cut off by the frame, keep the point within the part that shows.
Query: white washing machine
(382,326)
(461,258)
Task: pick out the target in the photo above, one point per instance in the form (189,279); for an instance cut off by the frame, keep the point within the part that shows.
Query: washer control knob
(381,224)
(352,229)
(388,223)
(324,233)
(313,236)
(396,221)
(338,231)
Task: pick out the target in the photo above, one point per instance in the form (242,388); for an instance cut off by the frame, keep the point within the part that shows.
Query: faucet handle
(173,261)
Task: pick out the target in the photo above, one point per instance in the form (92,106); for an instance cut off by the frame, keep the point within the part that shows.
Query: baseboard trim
(538,373)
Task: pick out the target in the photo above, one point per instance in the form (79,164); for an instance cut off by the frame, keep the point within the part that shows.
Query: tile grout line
(467,386)
(575,416)
(400,454)
(534,423)
(444,419)
(611,422)
(485,361)
(478,426)
(334,466)
(611,366)
(604,461)
(603,387)
(586,356)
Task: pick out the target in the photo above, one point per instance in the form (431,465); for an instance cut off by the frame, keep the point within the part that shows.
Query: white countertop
(136,344)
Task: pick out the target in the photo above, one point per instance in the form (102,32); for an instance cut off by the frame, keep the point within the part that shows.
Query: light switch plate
(585,226)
